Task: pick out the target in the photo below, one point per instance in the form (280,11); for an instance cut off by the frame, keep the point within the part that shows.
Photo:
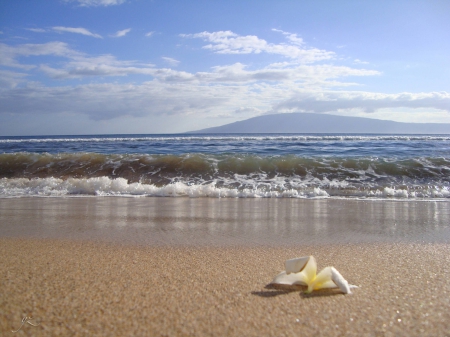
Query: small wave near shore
(222,175)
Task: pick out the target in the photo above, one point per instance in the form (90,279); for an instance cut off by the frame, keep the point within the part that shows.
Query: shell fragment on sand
(303,271)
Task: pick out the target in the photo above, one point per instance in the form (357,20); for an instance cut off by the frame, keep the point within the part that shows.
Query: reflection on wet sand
(204,221)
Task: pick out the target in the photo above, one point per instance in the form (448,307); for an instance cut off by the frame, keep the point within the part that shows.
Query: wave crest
(105,186)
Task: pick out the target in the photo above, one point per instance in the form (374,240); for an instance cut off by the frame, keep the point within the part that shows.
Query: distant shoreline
(325,123)
(202,132)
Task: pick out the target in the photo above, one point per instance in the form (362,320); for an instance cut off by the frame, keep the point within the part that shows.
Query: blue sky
(138,66)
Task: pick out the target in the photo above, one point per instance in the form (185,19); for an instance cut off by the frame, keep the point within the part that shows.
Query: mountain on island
(322,123)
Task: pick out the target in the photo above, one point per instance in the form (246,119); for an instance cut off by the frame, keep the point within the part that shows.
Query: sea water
(364,166)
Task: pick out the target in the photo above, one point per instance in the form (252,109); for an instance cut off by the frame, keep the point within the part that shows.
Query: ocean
(357,166)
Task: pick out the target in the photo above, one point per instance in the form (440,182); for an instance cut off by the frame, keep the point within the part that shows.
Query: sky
(163,66)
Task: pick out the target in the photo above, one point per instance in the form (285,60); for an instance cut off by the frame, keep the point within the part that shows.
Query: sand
(225,222)
(87,289)
(76,286)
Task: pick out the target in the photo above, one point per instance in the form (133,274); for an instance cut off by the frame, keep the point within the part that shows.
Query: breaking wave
(222,175)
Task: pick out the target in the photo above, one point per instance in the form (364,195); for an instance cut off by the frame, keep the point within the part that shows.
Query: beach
(224,168)
(183,267)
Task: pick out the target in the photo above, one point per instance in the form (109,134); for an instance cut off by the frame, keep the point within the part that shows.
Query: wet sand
(225,222)
(165,267)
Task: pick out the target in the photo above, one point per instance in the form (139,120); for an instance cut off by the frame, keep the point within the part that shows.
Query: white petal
(322,280)
(291,279)
(340,281)
(296,265)
(328,284)
(309,271)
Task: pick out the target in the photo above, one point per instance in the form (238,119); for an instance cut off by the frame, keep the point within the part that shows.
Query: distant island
(322,123)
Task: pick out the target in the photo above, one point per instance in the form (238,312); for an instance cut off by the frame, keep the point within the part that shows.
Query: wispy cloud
(77,64)
(358,61)
(10,79)
(112,100)
(109,100)
(237,73)
(121,33)
(36,30)
(368,102)
(95,3)
(305,73)
(9,54)
(290,36)
(247,110)
(150,33)
(293,84)
(227,42)
(82,66)
(171,61)
(92,67)
(226,90)
(79,30)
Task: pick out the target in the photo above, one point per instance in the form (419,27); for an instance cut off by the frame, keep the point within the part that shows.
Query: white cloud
(121,33)
(290,36)
(308,73)
(90,69)
(78,30)
(237,73)
(155,98)
(291,85)
(81,66)
(36,30)
(248,110)
(9,54)
(95,3)
(358,61)
(171,61)
(106,101)
(150,33)
(408,115)
(227,42)
(78,65)
(10,79)
(367,102)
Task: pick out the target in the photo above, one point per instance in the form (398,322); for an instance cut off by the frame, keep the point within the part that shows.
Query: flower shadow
(277,289)
(322,293)
(281,289)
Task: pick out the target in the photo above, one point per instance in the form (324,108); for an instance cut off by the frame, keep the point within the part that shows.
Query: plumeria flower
(302,271)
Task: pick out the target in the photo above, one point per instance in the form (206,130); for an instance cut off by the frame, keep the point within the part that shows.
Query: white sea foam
(233,138)
(105,186)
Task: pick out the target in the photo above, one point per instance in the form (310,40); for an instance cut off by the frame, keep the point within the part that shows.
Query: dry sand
(81,288)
